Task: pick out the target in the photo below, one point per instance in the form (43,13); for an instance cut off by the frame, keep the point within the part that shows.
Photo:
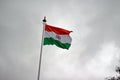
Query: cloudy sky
(95,49)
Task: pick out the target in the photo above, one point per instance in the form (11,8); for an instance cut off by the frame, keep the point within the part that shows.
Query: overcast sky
(95,48)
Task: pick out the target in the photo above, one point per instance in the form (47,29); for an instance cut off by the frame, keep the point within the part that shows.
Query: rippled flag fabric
(57,36)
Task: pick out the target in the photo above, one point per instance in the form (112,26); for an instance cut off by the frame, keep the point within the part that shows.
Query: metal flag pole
(39,68)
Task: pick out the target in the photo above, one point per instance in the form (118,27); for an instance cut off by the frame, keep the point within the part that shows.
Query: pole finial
(44,20)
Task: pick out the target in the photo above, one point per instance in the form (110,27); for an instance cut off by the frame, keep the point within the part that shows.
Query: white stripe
(61,38)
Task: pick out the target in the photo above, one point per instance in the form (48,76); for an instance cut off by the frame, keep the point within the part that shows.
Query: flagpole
(40,58)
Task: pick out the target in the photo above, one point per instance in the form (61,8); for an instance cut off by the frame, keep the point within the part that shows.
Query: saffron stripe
(57,30)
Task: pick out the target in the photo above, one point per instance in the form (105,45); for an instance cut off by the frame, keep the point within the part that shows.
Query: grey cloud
(21,30)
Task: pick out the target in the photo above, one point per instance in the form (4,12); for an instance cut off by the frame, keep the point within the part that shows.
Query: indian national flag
(57,36)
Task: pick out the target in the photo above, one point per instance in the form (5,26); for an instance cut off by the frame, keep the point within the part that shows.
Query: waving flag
(57,36)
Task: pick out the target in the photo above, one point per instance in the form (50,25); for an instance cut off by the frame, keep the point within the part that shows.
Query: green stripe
(51,41)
